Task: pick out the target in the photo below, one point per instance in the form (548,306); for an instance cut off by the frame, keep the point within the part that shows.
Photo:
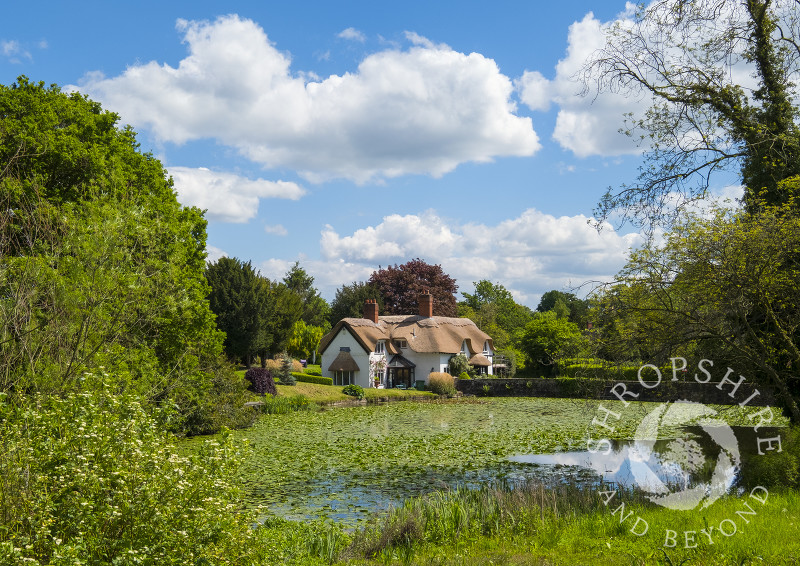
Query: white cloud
(228,197)
(14,51)
(214,253)
(352,34)
(534,90)
(589,123)
(277,229)
(529,254)
(585,125)
(423,110)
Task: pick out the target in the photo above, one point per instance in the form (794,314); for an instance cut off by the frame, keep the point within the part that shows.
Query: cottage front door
(400,376)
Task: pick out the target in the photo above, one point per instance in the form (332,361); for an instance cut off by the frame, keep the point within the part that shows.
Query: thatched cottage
(400,350)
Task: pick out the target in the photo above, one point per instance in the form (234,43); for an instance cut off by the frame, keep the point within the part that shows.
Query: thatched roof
(344,362)
(479,360)
(433,334)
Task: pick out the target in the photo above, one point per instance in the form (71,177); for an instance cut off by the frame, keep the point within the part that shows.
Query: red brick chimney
(371,310)
(426,304)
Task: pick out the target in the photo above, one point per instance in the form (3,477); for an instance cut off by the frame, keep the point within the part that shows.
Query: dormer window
(380,347)
(486,347)
(464,348)
(400,344)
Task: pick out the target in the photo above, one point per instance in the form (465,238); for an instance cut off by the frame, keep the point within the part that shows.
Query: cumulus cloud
(589,123)
(530,254)
(352,34)
(228,197)
(422,110)
(585,125)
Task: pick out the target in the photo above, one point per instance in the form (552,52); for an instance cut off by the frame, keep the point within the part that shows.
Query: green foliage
(353,391)
(99,263)
(773,468)
(306,378)
(441,383)
(242,305)
(493,309)
(272,405)
(90,477)
(458,364)
(450,516)
(313,369)
(221,405)
(566,305)
(315,310)
(464,375)
(724,286)
(548,339)
(430,442)
(304,339)
(256,314)
(607,371)
(349,301)
(285,372)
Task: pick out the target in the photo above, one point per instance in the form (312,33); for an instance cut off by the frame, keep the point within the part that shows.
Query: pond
(345,463)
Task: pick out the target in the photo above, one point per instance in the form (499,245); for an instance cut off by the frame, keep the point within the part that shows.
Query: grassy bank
(327,394)
(537,525)
(567,525)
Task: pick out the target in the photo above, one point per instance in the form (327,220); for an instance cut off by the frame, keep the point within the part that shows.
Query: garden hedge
(304,377)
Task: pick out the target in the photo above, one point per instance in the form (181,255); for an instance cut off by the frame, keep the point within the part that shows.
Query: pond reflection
(678,473)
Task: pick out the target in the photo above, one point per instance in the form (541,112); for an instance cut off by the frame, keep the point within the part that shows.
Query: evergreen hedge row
(607,372)
(304,377)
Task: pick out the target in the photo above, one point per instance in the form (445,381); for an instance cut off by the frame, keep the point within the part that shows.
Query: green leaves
(90,476)
(375,455)
(548,338)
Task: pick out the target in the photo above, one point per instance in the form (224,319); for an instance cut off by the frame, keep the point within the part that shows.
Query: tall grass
(283,405)
(447,516)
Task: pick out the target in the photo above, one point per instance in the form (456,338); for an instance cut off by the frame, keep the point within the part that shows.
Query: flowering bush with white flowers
(92,478)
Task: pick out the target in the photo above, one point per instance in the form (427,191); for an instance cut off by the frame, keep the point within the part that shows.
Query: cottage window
(486,347)
(464,348)
(380,347)
(401,344)
(343,377)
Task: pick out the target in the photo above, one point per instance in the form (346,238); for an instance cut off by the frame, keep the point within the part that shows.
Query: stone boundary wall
(667,390)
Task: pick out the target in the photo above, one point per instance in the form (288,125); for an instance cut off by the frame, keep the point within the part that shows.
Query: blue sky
(354,135)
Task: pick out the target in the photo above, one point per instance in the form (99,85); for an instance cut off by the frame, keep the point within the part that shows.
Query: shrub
(458,364)
(276,365)
(285,373)
(464,375)
(441,383)
(261,381)
(91,478)
(221,405)
(354,391)
(306,378)
(312,369)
